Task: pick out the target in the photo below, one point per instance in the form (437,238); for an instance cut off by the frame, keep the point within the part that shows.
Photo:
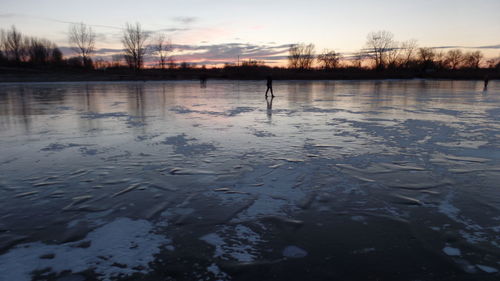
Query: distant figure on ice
(203,81)
(486,81)
(269,86)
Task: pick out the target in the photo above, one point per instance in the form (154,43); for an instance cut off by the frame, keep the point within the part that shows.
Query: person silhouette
(269,86)
(203,81)
(486,81)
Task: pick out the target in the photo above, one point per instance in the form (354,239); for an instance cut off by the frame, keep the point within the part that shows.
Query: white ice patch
(238,243)
(487,269)
(124,242)
(452,251)
(274,197)
(215,270)
(473,238)
(448,209)
(294,252)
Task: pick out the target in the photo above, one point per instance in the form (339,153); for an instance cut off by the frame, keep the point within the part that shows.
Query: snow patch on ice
(451,251)
(215,270)
(294,252)
(487,269)
(122,247)
(445,207)
(238,243)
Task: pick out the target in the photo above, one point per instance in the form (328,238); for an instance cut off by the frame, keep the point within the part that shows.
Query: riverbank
(232,73)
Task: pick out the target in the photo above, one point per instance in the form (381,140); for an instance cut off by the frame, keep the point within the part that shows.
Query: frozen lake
(330,180)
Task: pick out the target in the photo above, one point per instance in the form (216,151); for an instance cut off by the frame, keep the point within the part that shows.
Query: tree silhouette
(454,58)
(13,45)
(162,47)
(473,59)
(82,39)
(134,42)
(378,44)
(408,52)
(294,56)
(329,59)
(426,57)
(301,56)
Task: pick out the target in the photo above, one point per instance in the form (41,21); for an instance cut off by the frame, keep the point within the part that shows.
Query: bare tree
(329,59)
(39,51)
(307,57)
(13,44)
(42,51)
(454,58)
(161,47)
(493,62)
(473,59)
(3,57)
(393,56)
(294,54)
(440,61)
(57,56)
(134,43)
(301,56)
(408,52)
(82,39)
(426,57)
(378,44)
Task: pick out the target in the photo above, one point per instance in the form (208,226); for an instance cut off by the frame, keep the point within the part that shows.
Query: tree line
(17,49)
(381,52)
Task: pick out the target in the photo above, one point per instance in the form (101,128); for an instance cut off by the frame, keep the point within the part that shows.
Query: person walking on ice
(486,81)
(270,86)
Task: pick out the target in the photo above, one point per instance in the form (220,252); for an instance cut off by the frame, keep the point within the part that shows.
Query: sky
(220,30)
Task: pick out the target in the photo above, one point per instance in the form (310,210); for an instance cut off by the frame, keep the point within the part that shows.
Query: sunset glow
(217,32)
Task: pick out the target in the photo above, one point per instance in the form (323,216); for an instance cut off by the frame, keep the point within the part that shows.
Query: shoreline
(19,75)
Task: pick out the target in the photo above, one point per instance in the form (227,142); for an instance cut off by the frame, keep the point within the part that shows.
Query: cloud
(449,47)
(206,54)
(489,47)
(469,47)
(103,52)
(173,29)
(185,20)
(229,52)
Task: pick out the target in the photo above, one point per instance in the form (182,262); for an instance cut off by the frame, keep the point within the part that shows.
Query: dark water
(392,180)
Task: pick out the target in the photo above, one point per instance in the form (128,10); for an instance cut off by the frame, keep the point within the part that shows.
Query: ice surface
(222,164)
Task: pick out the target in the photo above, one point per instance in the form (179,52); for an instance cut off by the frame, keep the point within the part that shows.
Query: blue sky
(339,25)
